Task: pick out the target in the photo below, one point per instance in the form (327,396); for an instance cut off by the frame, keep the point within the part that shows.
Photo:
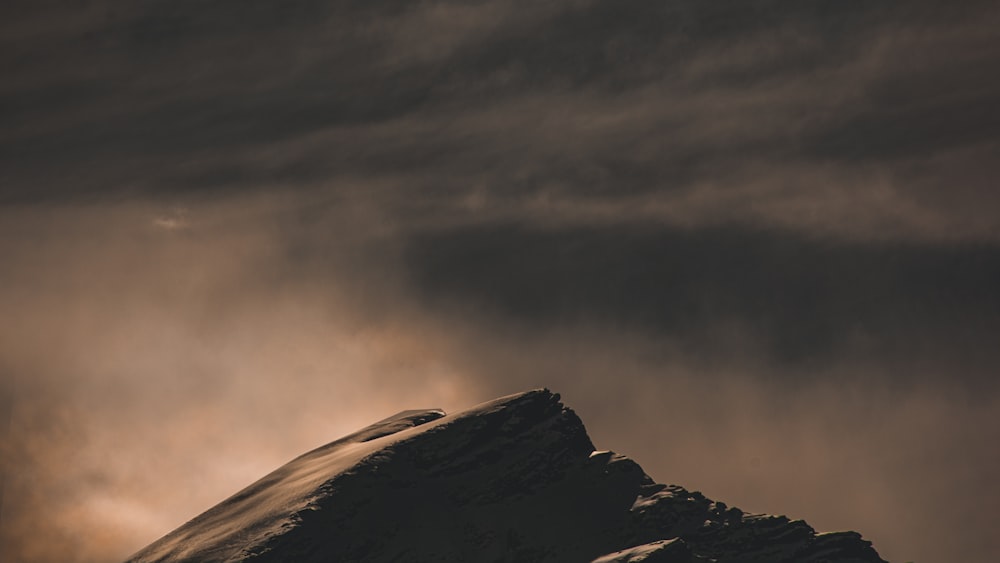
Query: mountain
(516,479)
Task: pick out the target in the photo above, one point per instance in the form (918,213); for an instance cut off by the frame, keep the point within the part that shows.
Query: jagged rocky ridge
(516,479)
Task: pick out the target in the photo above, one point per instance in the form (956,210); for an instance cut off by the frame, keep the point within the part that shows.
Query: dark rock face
(516,479)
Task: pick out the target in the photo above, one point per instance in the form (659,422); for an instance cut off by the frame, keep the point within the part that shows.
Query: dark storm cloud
(800,300)
(446,101)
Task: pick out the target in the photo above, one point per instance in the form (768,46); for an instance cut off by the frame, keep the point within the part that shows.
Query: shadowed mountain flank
(514,479)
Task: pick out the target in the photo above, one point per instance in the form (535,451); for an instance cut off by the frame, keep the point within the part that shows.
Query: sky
(754,244)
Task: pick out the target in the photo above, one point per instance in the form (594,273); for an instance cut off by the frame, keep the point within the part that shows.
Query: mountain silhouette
(516,479)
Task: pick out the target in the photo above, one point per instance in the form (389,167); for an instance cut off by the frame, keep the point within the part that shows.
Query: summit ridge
(513,479)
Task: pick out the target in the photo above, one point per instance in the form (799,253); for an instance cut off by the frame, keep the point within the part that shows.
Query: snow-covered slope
(515,479)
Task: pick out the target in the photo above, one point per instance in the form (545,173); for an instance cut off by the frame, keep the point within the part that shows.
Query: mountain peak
(513,479)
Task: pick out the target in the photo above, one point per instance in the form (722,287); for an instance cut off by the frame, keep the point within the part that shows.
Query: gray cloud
(739,104)
(799,299)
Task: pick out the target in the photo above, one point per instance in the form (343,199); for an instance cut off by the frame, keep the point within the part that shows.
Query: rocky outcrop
(516,479)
